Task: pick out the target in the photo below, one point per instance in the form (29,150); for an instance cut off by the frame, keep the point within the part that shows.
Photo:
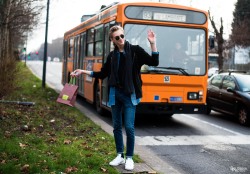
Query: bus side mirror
(211,42)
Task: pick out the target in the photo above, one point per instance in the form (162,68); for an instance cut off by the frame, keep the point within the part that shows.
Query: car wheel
(243,116)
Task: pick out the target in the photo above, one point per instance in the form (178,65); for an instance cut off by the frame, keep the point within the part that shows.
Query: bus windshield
(179,48)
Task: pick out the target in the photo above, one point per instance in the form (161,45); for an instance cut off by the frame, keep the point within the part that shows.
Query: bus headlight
(193,96)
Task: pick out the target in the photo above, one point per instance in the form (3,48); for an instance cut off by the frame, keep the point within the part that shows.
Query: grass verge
(49,137)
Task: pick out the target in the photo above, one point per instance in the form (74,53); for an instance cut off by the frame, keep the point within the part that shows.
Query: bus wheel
(208,109)
(97,100)
(68,79)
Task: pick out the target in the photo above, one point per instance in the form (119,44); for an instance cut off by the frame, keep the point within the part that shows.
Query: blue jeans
(123,104)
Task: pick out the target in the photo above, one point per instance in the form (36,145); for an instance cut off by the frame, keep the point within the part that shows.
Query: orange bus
(176,85)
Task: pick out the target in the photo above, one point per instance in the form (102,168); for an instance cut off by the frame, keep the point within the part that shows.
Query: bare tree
(219,39)
(17,18)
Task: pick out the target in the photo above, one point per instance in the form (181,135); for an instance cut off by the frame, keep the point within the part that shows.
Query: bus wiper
(174,68)
(154,70)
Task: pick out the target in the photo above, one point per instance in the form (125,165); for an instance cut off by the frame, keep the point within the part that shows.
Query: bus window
(99,33)
(90,49)
(76,53)
(82,43)
(98,48)
(90,42)
(192,40)
(106,42)
(98,41)
(71,43)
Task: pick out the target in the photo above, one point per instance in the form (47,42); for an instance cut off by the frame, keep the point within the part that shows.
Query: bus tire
(208,109)
(98,107)
(68,79)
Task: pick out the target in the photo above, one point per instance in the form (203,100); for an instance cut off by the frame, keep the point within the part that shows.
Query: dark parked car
(229,92)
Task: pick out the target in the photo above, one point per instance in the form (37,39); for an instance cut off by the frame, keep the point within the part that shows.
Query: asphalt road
(186,144)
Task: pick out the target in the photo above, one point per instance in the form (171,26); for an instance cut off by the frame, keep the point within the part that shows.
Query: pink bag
(68,94)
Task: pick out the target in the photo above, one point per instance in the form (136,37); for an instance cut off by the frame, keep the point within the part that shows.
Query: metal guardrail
(18,102)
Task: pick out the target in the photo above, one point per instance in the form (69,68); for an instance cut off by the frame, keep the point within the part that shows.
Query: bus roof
(102,13)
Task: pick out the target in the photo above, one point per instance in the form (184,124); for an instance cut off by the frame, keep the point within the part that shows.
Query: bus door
(76,54)
(82,55)
(106,48)
(65,62)
(88,65)
(70,54)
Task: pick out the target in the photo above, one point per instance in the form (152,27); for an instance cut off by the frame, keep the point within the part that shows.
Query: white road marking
(236,138)
(192,140)
(211,124)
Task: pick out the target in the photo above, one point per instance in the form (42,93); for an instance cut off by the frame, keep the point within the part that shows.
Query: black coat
(140,57)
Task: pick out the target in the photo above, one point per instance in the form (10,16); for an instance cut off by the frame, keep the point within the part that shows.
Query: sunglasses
(118,37)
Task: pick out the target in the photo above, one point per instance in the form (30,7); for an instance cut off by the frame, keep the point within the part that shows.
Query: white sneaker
(117,161)
(129,165)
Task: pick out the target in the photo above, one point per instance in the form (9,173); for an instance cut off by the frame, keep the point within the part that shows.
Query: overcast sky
(65,14)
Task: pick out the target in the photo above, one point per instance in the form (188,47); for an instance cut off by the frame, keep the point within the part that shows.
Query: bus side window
(98,40)
(90,42)
(71,42)
(98,49)
(90,48)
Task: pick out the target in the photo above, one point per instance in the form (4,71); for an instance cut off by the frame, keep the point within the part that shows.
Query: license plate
(175,99)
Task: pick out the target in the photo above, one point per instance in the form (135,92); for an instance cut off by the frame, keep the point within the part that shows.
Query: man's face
(118,38)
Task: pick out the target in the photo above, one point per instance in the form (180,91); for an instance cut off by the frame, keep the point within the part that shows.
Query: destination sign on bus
(169,17)
(165,14)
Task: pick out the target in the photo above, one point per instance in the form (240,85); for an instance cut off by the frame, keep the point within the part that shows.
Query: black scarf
(127,79)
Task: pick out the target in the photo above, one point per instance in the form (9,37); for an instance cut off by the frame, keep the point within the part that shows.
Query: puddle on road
(238,169)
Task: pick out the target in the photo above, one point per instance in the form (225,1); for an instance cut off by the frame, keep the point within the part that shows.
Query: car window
(244,82)
(216,81)
(228,82)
